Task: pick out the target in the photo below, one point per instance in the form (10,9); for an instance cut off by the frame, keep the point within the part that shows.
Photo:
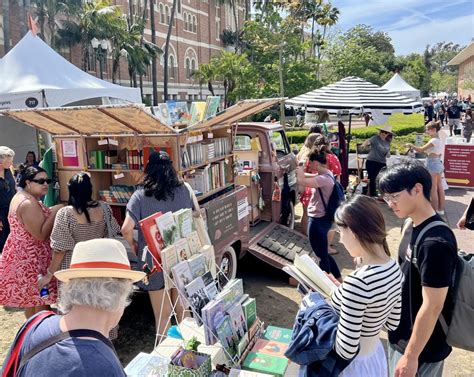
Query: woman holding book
(369,299)
(162,191)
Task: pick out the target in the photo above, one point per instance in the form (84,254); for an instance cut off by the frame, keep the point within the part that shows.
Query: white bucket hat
(99,258)
(386,128)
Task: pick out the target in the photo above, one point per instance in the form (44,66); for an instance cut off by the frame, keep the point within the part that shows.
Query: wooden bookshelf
(197,166)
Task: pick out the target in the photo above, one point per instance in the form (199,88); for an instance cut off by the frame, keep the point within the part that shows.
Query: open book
(306,271)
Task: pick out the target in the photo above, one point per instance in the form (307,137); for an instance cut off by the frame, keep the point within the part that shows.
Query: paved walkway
(457,200)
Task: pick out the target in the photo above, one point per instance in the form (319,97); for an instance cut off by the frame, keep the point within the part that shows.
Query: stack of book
(117,194)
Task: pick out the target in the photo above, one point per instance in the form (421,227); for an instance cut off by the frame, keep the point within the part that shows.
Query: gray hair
(108,294)
(6,152)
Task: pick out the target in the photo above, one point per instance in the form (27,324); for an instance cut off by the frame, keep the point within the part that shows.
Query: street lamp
(282,91)
(100,49)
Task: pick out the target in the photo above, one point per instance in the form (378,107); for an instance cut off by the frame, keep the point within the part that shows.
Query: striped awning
(355,93)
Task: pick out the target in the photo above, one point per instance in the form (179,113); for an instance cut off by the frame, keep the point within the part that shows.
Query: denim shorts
(434,165)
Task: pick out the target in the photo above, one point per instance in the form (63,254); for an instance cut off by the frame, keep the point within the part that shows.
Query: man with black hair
(418,346)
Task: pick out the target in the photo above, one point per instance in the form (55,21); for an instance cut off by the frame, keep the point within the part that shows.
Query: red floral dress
(23,259)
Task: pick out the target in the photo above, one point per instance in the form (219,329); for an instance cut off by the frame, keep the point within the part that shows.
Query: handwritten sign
(222,218)
(459,164)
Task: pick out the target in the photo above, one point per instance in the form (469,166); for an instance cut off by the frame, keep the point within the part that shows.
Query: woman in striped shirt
(369,299)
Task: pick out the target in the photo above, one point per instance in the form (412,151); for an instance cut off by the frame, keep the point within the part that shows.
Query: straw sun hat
(386,128)
(99,258)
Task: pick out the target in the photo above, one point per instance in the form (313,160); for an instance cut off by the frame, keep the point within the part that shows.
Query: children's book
(197,265)
(169,259)
(182,275)
(194,242)
(163,113)
(152,235)
(184,221)
(212,105)
(237,320)
(208,252)
(211,285)
(270,347)
(145,364)
(226,335)
(209,312)
(168,228)
(260,362)
(197,111)
(196,294)
(250,311)
(278,334)
(182,249)
(179,113)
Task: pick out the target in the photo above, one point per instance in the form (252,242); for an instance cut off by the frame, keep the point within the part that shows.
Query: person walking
(27,252)
(369,299)
(454,115)
(7,191)
(162,191)
(377,156)
(467,126)
(321,185)
(434,149)
(95,291)
(442,114)
(418,346)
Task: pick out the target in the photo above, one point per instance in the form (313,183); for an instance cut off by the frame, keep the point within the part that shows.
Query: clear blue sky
(412,24)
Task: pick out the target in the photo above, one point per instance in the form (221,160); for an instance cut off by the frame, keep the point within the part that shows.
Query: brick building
(196,37)
(465,61)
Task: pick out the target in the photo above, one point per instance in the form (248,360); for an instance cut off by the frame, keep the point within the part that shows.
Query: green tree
(415,72)
(206,74)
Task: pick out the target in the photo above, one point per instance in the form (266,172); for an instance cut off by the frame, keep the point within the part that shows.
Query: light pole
(100,49)
(282,90)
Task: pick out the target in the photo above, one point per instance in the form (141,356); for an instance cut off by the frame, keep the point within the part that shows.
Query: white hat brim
(74,273)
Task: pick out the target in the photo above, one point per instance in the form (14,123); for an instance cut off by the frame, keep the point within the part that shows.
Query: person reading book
(369,298)
(162,191)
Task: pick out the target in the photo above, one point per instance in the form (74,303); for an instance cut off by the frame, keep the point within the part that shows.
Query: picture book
(194,242)
(197,111)
(226,336)
(197,264)
(182,275)
(169,259)
(184,221)
(168,228)
(278,334)
(260,362)
(270,347)
(249,308)
(209,312)
(306,271)
(211,285)
(179,113)
(182,249)
(237,320)
(152,235)
(163,113)
(196,294)
(243,344)
(208,252)
(212,105)
(145,364)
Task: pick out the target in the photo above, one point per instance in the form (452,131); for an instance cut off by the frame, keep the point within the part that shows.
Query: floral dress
(23,259)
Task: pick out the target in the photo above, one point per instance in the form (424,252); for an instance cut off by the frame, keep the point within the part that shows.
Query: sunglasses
(42,181)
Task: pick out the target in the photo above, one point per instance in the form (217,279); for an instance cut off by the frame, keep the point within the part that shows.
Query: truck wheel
(228,265)
(290,221)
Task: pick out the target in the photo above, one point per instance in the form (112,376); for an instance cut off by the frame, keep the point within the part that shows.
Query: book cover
(226,335)
(212,105)
(197,111)
(197,297)
(211,285)
(237,320)
(179,113)
(194,242)
(209,312)
(163,114)
(169,259)
(182,249)
(197,264)
(278,334)
(209,255)
(260,362)
(152,235)
(184,221)
(234,372)
(145,364)
(270,347)
(182,275)
(249,308)
(168,228)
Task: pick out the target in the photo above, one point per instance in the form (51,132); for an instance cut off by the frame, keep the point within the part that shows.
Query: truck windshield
(281,143)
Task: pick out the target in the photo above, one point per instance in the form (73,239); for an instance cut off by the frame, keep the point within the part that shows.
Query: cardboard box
(248,156)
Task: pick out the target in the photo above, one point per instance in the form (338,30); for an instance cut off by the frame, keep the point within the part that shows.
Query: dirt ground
(277,304)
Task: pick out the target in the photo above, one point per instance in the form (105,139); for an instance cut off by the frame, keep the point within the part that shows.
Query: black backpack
(335,200)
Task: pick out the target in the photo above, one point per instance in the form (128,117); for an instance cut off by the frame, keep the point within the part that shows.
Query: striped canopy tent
(359,95)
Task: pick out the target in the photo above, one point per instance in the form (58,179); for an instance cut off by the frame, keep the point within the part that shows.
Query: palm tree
(326,17)
(167,48)
(6,25)
(206,73)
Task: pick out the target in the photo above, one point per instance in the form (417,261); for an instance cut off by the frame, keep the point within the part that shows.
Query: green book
(260,362)
(278,334)
(250,311)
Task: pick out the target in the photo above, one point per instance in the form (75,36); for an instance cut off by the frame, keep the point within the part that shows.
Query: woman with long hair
(369,298)
(27,252)
(30,160)
(83,219)
(321,185)
(434,149)
(162,191)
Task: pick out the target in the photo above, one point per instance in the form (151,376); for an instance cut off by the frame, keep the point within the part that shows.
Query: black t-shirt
(7,189)
(437,256)
(454,112)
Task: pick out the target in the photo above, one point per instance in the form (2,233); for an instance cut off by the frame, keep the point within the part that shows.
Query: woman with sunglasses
(369,298)
(7,191)
(27,252)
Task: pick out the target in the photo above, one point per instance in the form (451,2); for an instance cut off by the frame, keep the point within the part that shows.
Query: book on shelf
(168,228)
(237,319)
(182,249)
(212,105)
(263,363)
(182,275)
(197,298)
(162,113)
(194,242)
(249,308)
(226,335)
(198,109)
(169,259)
(145,364)
(179,113)
(306,271)
(209,312)
(278,334)
(152,235)
(184,221)
(210,284)
(270,347)
(197,265)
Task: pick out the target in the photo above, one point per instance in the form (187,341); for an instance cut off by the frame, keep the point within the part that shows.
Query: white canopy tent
(399,85)
(33,75)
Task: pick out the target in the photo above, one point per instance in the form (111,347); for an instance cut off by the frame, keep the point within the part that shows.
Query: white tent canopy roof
(399,85)
(33,67)
(355,93)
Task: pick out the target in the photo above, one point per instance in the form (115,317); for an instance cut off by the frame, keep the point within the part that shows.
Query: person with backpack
(325,197)
(418,346)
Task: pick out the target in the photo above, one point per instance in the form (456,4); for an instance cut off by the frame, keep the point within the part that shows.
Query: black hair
(161,178)
(319,154)
(34,157)
(80,194)
(29,174)
(404,175)
(315,130)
